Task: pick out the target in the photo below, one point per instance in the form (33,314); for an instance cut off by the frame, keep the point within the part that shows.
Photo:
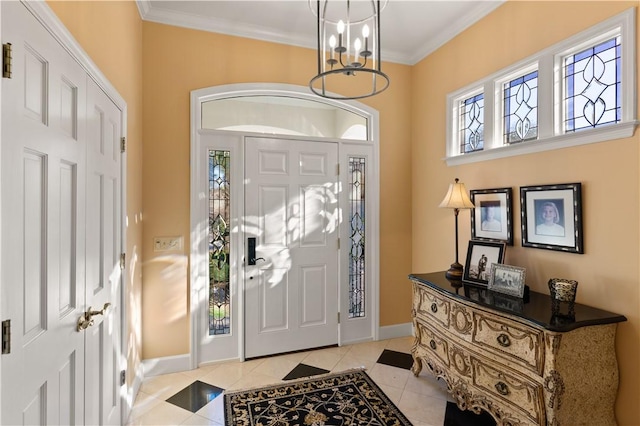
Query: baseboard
(395,331)
(356,341)
(166,365)
(177,363)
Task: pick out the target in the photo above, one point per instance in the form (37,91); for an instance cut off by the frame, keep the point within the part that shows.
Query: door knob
(86,319)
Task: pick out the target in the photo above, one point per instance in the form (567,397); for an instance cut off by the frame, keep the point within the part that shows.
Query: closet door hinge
(6,337)
(338,169)
(338,317)
(6,60)
(123,144)
(123,377)
(123,258)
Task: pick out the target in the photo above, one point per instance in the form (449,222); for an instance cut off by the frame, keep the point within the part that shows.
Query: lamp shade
(457,197)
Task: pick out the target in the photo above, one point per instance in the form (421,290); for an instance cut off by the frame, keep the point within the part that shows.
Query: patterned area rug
(341,399)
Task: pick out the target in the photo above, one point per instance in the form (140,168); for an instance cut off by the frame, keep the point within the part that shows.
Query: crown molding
(223,26)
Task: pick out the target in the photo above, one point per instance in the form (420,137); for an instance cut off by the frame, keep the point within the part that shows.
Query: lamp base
(455,272)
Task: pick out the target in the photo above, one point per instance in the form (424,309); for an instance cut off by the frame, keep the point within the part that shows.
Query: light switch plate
(167,244)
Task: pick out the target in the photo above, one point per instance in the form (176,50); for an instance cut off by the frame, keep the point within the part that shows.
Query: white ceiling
(410,29)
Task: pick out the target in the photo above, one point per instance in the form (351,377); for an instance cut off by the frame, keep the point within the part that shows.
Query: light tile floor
(422,399)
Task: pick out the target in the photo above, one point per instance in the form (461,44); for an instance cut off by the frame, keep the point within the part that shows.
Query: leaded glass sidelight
(357,287)
(219,244)
(521,108)
(472,124)
(593,93)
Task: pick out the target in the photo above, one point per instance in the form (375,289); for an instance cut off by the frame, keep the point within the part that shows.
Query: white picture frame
(507,279)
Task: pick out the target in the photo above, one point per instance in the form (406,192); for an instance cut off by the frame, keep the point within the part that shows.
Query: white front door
(60,234)
(291,210)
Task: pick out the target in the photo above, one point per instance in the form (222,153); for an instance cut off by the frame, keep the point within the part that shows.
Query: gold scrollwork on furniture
(459,361)
(553,343)
(461,319)
(416,368)
(554,384)
(466,400)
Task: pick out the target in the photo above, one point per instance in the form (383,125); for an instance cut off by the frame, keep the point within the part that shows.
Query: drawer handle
(503,340)
(502,388)
(434,307)
(432,343)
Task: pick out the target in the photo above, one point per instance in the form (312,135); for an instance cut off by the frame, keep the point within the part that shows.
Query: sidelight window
(219,244)
(357,281)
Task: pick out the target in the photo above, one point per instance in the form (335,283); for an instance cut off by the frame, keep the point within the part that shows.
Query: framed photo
(480,255)
(492,219)
(507,279)
(552,217)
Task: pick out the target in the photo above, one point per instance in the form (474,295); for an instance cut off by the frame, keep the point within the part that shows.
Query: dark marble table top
(535,307)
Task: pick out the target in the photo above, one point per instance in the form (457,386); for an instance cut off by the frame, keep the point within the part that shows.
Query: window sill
(603,134)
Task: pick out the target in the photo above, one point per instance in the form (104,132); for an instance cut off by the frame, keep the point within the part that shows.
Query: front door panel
(291,209)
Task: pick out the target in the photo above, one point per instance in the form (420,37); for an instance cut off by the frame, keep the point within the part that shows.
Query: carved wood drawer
(518,392)
(431,306)
(434,343)
(519,343)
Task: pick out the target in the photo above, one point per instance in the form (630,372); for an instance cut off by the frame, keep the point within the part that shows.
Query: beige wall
(177,61)
(608,271)
(166,63)
(111,34)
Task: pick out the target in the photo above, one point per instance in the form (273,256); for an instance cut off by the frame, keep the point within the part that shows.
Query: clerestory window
(578,91)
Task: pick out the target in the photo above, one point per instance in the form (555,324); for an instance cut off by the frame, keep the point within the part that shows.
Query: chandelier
(349,63)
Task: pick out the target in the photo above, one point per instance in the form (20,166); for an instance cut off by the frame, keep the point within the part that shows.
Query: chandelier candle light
(348,48)
(456,199)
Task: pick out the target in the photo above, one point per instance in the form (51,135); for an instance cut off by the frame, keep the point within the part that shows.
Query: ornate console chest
(513,358)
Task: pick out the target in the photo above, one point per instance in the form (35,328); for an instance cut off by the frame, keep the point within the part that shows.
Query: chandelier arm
(319,38)
(342,63)
(379,57)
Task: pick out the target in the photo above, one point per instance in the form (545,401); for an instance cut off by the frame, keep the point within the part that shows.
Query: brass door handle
(86,319)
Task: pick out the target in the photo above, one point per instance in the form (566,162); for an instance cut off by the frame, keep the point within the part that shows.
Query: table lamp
(456,199)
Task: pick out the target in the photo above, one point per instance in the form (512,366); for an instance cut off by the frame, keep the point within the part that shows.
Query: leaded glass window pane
(593,94)
(521,108)
(357,286)
(219,244)
(472,124)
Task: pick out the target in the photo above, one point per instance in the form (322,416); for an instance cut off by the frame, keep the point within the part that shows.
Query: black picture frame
(492,217)
(507,279)
(476,269)
(552,217)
